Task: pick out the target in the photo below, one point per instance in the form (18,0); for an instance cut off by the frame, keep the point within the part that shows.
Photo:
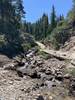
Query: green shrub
(70,71)
(44,55)
(59,36)
(73,72)
(26,46)
(2,41)
(27,41)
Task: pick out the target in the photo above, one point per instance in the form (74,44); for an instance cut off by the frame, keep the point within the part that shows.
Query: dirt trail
(59,54)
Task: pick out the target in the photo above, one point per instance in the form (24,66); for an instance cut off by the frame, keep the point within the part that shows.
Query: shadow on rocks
(40,98)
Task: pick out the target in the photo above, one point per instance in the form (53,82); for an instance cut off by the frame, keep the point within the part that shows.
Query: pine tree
(19,9)
(1,16)
(45,24)
(73,10)
(71,15)
(4,13)
(53,18)
(41,27)
(73,4)
(10,22)
(61,17)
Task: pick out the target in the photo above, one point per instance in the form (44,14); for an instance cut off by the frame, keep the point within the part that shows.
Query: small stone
(11,82)
(48,72)
(50,98)
(67,76)
(10,66)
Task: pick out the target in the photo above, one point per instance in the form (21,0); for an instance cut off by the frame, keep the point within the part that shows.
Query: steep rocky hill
(69,45)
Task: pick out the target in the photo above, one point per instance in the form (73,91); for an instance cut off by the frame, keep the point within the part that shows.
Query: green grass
(44,55)
(70,71)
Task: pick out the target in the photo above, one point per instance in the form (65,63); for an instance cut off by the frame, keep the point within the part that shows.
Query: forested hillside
(11,34)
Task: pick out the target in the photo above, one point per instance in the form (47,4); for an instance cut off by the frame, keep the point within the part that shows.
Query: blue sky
(35,8)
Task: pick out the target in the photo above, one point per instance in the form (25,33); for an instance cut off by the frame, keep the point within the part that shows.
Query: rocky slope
(69,45)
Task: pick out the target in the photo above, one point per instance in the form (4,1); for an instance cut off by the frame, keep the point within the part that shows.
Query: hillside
(69,45)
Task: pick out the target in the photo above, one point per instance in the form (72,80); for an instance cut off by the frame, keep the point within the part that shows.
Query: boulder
(28,71)
(39,62)
(10,66)
(48,72)
(31,52)
(67,76)
(44,77)
(49,84)
(72,87)
(59,77)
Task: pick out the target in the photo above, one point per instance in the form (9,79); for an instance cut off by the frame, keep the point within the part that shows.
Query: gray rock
(49,84)
(67,76)
(39,62)
(10,66)
(73,62)
(59,77)
(72,87)
(48,72)
(31,52)
(28,71)
(46,77)
(1,98)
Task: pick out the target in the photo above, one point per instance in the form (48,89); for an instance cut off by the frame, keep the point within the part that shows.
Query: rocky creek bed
(34,78)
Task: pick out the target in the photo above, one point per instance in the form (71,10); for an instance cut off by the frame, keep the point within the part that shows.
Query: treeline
(44,26)
(55,29)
